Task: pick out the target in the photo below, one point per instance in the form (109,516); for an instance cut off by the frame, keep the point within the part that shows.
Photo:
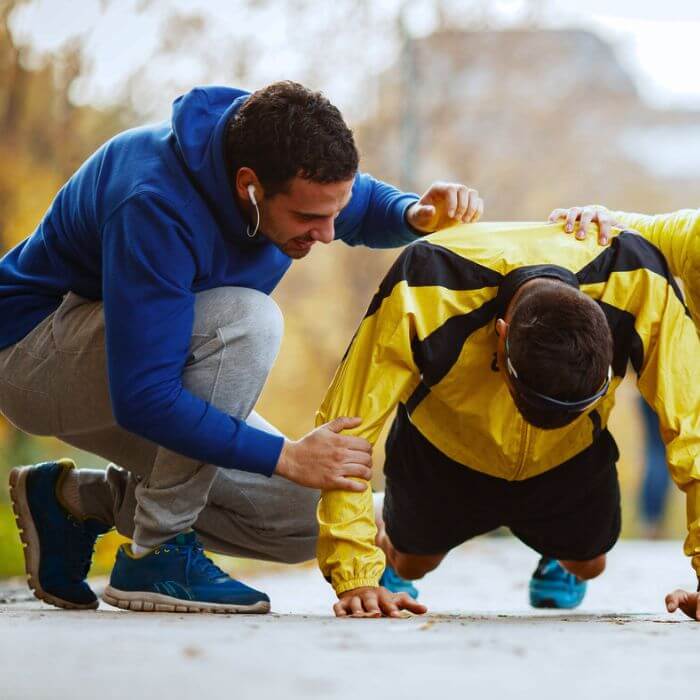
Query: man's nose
(323,232)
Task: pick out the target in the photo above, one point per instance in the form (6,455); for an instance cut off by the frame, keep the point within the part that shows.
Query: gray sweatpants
(54,382)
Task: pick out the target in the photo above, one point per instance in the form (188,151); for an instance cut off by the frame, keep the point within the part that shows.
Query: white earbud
(251,194)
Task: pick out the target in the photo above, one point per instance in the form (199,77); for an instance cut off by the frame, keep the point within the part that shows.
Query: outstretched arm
(380,216)
(666,379)
(377,372)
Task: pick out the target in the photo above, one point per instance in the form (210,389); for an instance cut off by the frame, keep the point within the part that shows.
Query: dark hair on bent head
(560,345)
(285,130)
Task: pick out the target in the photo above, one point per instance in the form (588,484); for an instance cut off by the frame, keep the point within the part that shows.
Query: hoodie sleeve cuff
(256,451)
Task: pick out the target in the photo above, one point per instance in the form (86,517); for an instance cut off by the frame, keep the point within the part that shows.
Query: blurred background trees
(532,115)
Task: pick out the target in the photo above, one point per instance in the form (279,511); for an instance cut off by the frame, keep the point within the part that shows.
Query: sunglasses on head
(549,403)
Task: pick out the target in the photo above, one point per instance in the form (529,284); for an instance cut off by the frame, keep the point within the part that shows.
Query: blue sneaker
(178,577)
(57,546)
(552,586)
(394,583)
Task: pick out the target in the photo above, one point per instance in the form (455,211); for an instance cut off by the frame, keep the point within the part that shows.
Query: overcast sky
(658,41)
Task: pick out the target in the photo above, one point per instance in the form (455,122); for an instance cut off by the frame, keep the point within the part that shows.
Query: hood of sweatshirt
(199,121)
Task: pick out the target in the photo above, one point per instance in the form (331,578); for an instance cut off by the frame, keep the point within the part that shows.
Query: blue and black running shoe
(58,547)
(552,586)
(177,576)
(394,583)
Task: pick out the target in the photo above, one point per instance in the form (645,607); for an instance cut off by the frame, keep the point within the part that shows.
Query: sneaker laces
(200,563)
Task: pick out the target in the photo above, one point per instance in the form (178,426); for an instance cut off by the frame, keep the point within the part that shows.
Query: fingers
(339,609)
(356,471)
(351,442)
(343,423)
(689,603)
(479,211)
(369,606)
(405,602)
(451,199)
(364,604)
(558,214)
(444,204)
(362,458)
(473,214)
(673,600)
(393,603)
(571,217)
(461,203)
(340,483)
(586,219)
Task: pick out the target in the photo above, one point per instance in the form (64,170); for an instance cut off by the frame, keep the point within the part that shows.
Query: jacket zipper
(524,449)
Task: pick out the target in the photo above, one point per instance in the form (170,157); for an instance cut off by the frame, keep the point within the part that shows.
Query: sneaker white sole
(30,541)
(157,602)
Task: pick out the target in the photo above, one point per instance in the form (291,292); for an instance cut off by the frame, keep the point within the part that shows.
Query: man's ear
(501,328)
(245,177)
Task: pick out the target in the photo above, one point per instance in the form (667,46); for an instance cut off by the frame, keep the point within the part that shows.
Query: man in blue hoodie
(136,323)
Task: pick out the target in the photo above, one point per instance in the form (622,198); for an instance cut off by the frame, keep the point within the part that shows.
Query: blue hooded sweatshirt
(146,222)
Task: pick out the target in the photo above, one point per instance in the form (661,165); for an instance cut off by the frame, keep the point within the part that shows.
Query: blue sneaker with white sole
(177,576)
(58,546)
(394,583)
(552,586)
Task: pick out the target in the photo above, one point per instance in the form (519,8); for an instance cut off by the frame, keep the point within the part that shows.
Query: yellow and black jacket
(428,341)
(677,236)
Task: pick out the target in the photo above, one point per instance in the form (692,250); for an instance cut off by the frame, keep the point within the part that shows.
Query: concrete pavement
(479,640)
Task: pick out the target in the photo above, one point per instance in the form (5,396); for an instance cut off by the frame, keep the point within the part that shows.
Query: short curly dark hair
(561,346)
(285,130)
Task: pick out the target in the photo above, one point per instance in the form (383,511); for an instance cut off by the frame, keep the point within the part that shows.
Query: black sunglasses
(548,403)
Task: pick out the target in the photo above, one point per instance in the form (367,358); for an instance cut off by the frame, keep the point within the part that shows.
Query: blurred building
(535,119)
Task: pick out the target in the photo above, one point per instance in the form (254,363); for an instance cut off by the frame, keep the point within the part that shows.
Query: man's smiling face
(295,219)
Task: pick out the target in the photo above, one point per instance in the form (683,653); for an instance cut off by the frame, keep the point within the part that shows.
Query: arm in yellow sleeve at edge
(668,381)
(377,372)
(677,236)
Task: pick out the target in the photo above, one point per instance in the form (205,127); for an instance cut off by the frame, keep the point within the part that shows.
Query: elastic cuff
(256,450)
(356,583)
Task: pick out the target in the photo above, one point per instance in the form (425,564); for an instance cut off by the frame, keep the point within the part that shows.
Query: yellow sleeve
(376,373)
(677,236)
(668,380)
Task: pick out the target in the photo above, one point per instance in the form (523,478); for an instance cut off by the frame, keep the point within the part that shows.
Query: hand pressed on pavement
(445,204)
(326,460)
(370,601)
(585,216)
(688,602)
